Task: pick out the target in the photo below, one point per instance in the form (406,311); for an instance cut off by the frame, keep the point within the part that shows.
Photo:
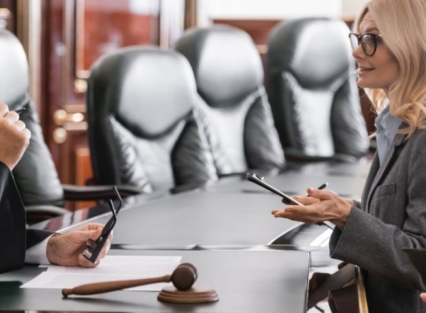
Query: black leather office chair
(312,90)
(142,125)
(35,174)
(229,75)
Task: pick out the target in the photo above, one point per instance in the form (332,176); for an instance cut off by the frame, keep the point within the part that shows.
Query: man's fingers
(83,262)
(12,116)
(84,235)
(94,234)
(105,249)
(3,109)
(20,125)
(92,226)
(27,133)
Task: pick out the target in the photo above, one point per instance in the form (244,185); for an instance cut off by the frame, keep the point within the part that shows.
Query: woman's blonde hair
(402,24)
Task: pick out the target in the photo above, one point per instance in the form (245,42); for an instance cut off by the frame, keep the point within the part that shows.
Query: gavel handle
(95,288)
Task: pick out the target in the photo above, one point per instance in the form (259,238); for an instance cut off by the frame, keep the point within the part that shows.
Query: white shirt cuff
(37,254)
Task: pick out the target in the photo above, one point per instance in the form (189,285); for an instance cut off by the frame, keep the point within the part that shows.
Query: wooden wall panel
(105,25)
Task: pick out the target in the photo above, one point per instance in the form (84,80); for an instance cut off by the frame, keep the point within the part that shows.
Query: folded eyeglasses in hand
(94,247)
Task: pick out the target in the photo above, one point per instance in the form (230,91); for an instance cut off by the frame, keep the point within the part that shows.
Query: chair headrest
(225,62)
(315,51)
(146,89)
(14,80)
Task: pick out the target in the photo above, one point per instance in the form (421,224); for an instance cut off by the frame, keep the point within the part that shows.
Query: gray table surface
(200,218)
(236,213)
(297,183)
(246,281)
(359,169)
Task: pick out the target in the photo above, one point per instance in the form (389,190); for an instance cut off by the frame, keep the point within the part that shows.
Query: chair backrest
(35,174)
(312,89)
(229,76)
(142,125)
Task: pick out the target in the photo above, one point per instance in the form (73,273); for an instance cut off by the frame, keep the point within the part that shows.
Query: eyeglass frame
(93,248)
(359,38)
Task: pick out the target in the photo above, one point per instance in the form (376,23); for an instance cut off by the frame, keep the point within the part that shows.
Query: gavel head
(184,276)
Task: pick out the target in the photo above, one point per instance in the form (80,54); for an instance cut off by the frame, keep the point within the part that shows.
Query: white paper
(111,268)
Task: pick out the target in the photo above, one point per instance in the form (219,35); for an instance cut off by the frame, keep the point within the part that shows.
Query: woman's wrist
(341,222)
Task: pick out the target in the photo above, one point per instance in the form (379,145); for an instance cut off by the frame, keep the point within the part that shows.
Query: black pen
(321,187)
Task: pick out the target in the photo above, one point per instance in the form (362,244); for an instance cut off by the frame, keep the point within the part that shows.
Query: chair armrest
(235,174)
(48,210)
(87,193)
(192,187)
(39,213)
(297,156)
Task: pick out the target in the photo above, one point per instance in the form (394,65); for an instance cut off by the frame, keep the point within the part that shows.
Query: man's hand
(67,249)
(423,296)
(14,137)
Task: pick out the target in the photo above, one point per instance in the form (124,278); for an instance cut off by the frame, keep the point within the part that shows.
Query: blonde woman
(389,43)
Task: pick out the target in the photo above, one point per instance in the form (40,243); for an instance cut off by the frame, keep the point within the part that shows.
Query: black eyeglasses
(93,248)
(368,42)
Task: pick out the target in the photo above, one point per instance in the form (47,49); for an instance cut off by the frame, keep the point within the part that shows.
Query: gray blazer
(391,217)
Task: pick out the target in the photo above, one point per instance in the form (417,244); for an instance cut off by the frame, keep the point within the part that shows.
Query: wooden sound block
(194,295)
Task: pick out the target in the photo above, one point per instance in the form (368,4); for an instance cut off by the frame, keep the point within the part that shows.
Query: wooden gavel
(183,278)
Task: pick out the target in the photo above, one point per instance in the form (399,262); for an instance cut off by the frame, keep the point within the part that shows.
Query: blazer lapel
(388,161)
(375,165)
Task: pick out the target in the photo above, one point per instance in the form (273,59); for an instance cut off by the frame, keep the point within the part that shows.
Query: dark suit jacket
(14,238)
(391,217)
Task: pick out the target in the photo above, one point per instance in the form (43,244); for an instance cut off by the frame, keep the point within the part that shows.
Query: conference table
(237,213)
(226,230)
(245,281)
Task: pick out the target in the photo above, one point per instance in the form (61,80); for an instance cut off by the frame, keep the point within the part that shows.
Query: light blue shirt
(387,125)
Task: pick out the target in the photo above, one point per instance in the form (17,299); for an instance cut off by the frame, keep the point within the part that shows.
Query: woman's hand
(67,248)
(321,205)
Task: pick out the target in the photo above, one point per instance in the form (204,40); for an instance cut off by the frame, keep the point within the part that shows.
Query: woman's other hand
(320,206)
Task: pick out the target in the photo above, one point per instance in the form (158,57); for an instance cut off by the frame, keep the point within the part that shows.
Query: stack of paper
(111,268)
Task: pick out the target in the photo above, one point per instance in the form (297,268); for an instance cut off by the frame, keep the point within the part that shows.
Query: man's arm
(36,254)
(12,223)
(65,249)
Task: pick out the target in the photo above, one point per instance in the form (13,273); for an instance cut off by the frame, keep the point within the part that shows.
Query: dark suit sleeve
(35,236)
(12,223)
(14,238)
